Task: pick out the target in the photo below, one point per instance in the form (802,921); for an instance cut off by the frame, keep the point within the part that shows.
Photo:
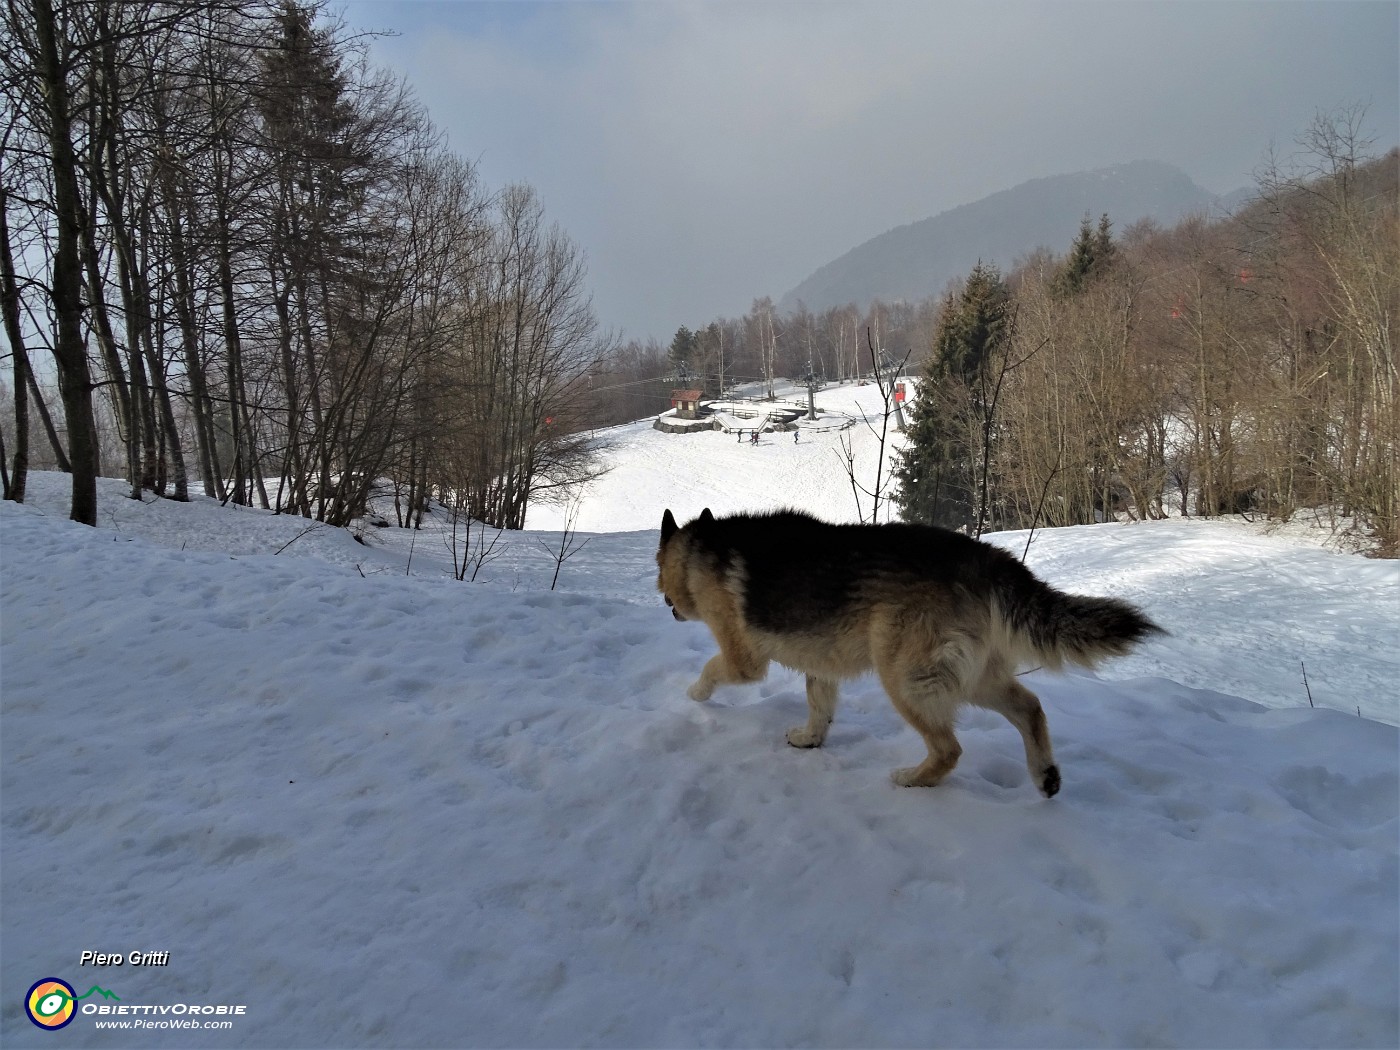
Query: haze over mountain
(916,261)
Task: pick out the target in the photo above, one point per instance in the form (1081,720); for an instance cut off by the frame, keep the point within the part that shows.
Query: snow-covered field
(375,806)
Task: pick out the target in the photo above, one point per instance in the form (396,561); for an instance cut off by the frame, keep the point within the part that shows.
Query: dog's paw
(1050,782)
(910,776)
(700,691)
(802,736)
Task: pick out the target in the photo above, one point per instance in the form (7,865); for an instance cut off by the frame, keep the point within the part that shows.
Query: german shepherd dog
(943,619)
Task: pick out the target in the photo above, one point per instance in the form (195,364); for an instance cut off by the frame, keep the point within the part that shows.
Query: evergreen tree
(1105,251)
(683,348)
(939,468)
(331,140)
(1091,254)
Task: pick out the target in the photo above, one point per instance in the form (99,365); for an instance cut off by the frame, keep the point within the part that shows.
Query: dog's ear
(668,526)
(706,518)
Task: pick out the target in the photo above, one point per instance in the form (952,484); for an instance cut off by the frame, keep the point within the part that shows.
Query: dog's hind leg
(927,698)
(821,708)
(1001,693)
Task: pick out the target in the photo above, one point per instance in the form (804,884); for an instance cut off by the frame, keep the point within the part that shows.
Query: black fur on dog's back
(801,573)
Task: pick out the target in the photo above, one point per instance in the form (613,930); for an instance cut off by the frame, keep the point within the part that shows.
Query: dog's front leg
(714,672)
(734,666)
(821,708)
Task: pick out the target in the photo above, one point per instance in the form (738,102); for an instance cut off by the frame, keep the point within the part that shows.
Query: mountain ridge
(917,260)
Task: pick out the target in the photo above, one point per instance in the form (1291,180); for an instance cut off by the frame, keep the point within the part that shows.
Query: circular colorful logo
(49,1003)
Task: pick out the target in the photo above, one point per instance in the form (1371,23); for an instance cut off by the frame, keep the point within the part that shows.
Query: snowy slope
(649,470)
(380,809)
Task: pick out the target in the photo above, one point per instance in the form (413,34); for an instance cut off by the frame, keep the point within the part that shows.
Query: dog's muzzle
(674,611)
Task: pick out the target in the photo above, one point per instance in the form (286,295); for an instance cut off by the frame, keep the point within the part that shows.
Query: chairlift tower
(682,376)
(889,368)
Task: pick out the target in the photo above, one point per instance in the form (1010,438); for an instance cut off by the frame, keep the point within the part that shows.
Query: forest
(251,268)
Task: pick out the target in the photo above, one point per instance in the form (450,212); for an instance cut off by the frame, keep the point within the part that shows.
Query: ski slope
(647,469)
(376,806)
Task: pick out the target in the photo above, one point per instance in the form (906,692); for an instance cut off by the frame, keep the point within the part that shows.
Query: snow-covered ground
(376,806)
(712,469)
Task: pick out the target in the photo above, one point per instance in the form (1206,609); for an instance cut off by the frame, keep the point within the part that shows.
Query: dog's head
(673,556)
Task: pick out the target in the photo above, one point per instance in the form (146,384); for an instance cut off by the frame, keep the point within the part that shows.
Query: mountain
(916,261)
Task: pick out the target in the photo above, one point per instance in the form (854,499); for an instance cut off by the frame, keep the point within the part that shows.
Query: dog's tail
(1054,628)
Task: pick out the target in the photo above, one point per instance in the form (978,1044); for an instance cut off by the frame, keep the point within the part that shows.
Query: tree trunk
(16,480)
(70,350)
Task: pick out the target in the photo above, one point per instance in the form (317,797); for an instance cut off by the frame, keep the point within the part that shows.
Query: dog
(941,618)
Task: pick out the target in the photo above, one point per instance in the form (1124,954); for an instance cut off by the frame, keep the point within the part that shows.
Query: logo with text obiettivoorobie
(51,1003)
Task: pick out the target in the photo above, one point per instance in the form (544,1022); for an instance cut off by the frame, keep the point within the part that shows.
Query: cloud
(707,153)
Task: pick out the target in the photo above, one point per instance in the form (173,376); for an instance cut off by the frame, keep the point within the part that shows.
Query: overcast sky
(703,154)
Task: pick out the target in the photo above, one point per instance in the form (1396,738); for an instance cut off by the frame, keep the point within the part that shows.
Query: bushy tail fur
(1056,628)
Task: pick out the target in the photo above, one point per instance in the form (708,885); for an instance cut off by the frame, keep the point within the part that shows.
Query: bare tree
(569,543)
(878,491)
(530,343)
(43,56)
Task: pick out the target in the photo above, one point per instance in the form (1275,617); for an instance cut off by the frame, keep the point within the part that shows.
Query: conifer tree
(1105,252)
(938,469)
(1090,255)
(683,347)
